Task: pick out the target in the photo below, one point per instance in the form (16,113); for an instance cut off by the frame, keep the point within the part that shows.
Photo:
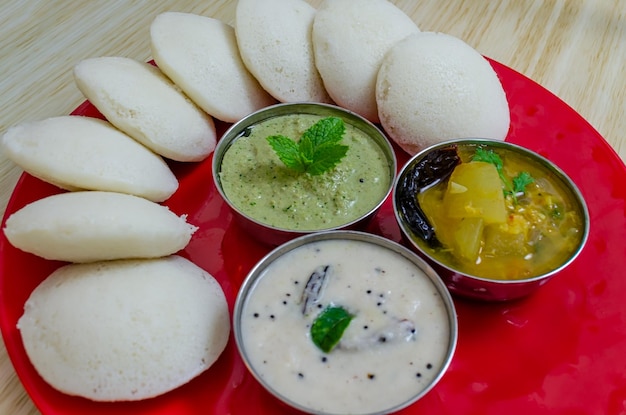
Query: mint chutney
(257,183)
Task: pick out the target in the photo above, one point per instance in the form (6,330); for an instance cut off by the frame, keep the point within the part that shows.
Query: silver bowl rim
(552,167)
(258,271)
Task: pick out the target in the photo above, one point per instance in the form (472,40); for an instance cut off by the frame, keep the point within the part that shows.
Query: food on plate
(356,316)
(350,39)
(433,87)
(139,100)
(93,226)
(274,39)
(495,212)
(125,330)
(75,152)
(324,194)
(201,56)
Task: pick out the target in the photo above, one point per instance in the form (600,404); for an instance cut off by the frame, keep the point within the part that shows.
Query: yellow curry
(500,215)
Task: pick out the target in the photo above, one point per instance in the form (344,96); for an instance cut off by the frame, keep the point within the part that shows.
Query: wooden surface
(574,48)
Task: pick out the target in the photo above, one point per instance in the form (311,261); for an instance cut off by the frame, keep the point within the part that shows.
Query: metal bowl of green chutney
(297,168)
(494,219)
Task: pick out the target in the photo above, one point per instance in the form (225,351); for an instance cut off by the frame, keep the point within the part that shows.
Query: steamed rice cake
(433,87)
(142,102)
(201,56)
(274,39)
(75,152)
(125,330)
(94,226)
(350,39)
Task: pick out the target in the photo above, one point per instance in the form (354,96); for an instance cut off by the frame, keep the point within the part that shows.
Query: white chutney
(397,345)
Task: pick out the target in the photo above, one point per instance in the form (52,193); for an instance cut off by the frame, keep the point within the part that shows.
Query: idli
(75,152)
(274,39)
(142,102)
(95,226)
(125,330)
(201,56)
(350,39)
(433,87)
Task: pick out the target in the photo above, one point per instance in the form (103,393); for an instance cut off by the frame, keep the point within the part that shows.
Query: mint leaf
(318,149)
(326,157)
(328,327)
(287,151)
(522,180)
(326,130)
(307,150)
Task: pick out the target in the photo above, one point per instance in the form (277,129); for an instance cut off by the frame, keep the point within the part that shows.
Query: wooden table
(574,48)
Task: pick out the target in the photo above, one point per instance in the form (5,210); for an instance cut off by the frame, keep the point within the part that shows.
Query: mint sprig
(328,327)
(317,151)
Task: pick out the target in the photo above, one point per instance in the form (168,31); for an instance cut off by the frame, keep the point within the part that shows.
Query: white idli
(433,87)
(139,100)
(96,226)
(125,330)
(75,152)
(350,39)
(201,56)
(274,39)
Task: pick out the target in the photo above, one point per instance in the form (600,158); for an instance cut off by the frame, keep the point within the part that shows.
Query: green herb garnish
(318,149)
(328,327)
(522,180)
(519,183)
(488,156)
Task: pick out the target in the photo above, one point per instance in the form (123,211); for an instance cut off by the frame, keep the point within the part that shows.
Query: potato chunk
(467,238)
(475,191)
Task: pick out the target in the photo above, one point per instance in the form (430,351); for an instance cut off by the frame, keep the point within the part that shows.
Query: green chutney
(257,183)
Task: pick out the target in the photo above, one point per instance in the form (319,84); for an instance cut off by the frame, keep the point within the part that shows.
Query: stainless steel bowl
(417,267)
(273,235)
(473,286)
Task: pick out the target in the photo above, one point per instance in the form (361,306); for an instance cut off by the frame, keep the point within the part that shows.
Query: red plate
(559,351)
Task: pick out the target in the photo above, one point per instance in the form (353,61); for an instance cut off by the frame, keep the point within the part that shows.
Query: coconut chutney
(257,183)
(395,348)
